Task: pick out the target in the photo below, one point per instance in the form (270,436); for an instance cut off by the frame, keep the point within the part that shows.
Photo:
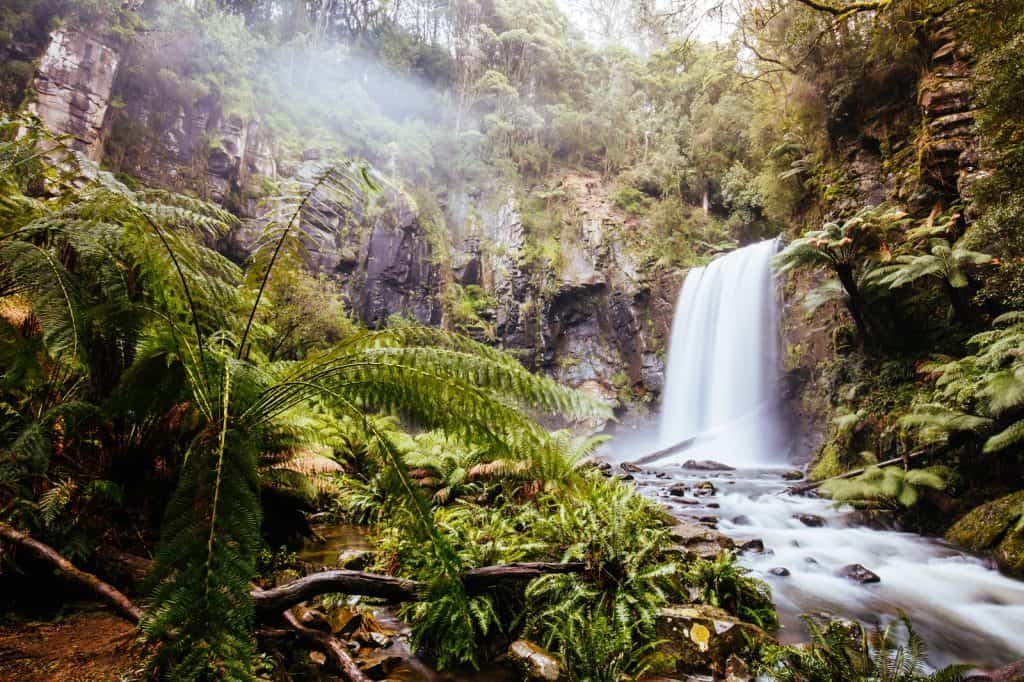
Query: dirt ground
(89,646)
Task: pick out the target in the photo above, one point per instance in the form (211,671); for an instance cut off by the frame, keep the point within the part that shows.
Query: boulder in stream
(677,489)
(754,545)
(811,520)
(986,529)
(705,488)
(355,559)
(378,666)
(794,475)
(535,662)
(706,465)
(859,574)
(780,571)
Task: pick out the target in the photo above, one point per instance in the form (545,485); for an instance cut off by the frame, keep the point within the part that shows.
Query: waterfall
(722,380)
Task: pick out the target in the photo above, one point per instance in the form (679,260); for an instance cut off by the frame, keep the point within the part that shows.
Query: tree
(846,249)
(948,263)
(193,357)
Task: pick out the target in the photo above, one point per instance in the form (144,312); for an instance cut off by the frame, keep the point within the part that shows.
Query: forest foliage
(148,377)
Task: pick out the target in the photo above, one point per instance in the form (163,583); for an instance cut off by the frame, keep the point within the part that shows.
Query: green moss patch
(990,528)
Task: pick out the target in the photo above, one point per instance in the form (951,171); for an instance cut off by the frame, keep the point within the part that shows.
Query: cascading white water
(722,394)
(722,380)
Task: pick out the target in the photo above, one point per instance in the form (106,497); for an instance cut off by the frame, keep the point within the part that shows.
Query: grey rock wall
(72,88)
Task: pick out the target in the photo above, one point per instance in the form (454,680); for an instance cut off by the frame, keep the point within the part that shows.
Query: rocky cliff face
(73,88)
(592,318)
(909,141)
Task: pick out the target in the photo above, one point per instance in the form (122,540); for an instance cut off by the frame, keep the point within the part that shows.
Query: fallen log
(394,590)
(274,601)
(386,587)
(807,487)
(664,452)
(106,592)
(482,579)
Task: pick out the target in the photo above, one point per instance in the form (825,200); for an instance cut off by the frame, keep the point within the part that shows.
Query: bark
(108,593)
(854,300)
(388,588)
(391,589)
(958,300)
(332,648)
(481,580)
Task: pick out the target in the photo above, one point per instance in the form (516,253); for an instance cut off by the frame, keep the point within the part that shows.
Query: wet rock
(1014,672)
(737,670)
(72,88)
(985,529)
(755,545)
(688,500)
(713,520)
(355,559)
(713,505)
(742,520)
(313,618)
(686,533)
(706,465)
(380,666)
(376,640)
(662,475)
(780,571)
(703,638)
(810,520)
(858,573)
(677,489)
(535,662)
(793,475)
(630,468)
(626,477)
(705,488)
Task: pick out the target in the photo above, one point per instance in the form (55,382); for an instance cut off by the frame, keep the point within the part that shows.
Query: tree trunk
(854,301)
(961,308)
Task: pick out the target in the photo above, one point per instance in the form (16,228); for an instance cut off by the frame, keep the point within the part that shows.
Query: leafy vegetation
(842,650)
(213,401)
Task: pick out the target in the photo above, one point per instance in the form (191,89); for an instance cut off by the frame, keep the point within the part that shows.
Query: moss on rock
(990,528)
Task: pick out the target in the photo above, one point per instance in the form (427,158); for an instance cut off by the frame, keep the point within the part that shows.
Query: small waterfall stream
(722,387)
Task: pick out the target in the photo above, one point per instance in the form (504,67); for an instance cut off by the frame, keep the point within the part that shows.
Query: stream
(965,610)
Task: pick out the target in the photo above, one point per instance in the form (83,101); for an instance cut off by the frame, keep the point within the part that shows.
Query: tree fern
(981,392)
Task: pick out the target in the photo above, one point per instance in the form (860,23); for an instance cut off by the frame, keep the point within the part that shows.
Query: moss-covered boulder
(990,529)
(702,638)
